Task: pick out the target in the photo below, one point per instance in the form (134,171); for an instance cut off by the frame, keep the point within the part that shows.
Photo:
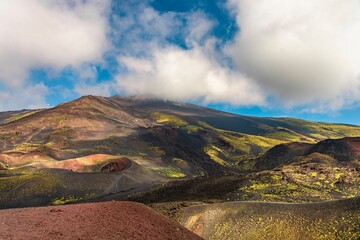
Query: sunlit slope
(188,139)
(253,220)
(6,117)
(166,141)
(60,182)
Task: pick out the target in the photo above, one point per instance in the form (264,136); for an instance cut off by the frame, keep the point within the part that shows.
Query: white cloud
(177,74)
(49,33)
(86,83)
(96,89)
(143,28)
(30,97)
(303,52)
(157,67)
(198,28)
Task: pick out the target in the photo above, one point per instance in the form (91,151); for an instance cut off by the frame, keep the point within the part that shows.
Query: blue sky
(261,58)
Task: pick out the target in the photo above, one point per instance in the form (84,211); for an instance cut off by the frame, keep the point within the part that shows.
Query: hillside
(112,220)
(252,220)
(104,148)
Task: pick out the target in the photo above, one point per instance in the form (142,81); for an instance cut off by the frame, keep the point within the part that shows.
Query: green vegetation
(25,183)
(27,147)
(170,172)
(180,163)
(285,134)
(157,151)
(69,199)
(169,119)
(251,220)
(295,227)
(243,148)
(18,117)
(213,152)
(174,121)
(321,131)
(65,200)
(313,182)
(246,143)
(174,143)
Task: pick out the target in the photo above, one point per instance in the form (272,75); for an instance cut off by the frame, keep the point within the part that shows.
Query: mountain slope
(62,132)
(112,220)
(252,220)
(165,141)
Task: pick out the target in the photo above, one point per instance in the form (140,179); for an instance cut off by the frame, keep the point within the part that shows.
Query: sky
(254,57)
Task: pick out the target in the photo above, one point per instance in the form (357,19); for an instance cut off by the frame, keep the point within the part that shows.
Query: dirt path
(110,220)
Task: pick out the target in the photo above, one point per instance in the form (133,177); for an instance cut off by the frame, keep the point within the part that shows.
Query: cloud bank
(178,74)
(286,53)
(302,52)
(50,34)
(156,67)
(289,54)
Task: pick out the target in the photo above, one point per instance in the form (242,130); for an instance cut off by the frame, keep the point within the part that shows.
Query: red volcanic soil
(354,145)
(108,220)
(345,149)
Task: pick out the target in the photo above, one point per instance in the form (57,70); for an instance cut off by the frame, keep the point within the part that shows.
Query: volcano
(171,156)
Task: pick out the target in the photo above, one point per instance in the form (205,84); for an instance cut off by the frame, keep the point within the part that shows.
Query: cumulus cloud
(142,28)
(197,29)
(287,53)
(155,66)
(302,52)
(54,34)
(177,74)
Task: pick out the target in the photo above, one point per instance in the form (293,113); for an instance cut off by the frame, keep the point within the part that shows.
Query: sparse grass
(285,134)
(65,200)
(24,183)
(207,126)
(290,227)
(69,199)
(169,119)
(175,121)
(170,172)
(28,147)
(156,150)
(313,182)
(244,220)
(180,163)
(18,117)
(245,148)
(213,152)
(245,142)
(262,142)
(321,131)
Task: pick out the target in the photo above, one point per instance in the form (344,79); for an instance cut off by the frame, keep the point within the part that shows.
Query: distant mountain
(95,146)
(67,130)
